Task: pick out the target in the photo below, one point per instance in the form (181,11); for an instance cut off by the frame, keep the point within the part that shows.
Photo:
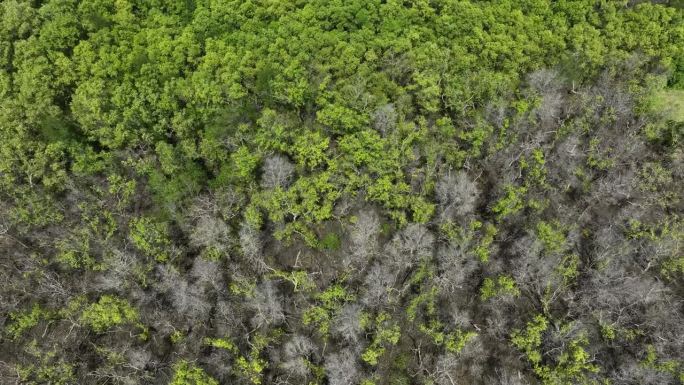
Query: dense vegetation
(204,192)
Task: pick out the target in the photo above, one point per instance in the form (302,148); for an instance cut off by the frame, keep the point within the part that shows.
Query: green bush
(503,285)
(108,312)
(151,237)
(185,373)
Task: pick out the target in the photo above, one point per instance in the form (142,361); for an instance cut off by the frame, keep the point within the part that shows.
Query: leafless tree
(446,370)
(296,351)
(622,299)
(225,203)
(614,96)
(342,368)
(506,377)
(495,112)
(210,232)
(251,245)
(221,366)
(456,264)
(549,85)
(377,285)
(536,272)
(408,246)
(121,265)
(188,300)
(52,285)
(138,358)
(608,245)
(207,273)
(635,373)
(615,188)
(364,239)
(564,160)
(228,318)
(457,195)
(347,324)
(385,118)
(267,304)
(277,171)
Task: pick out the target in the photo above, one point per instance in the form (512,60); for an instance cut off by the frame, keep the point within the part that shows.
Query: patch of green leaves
(503,285)
(108,312)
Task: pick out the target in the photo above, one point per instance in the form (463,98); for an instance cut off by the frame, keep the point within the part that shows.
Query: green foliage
(636,230)
(503,285)
(46,367)
(421,211)
(167,158)
(245,162)
(668,134)
(340,118)
(511,203)
(73,308)
(568,269)
(385,333)
(309,149)
(185,373)
(122,189)
(427,294)
(253,217)
(242,287)
(22,321)
(97,226)
(673,267)
(598,159)
(308,201)
(252,366)
(252,369)
(671,103)
(330,242)
(299,279)
(551,235)
(451,231)
(572,365)
(476,137)
(33,210)
(391,193)
(529,340)
(453,341)
(482,250)
(534,168)
(88,162)
(608,332)
(653,178)
(365,148)
(170,190)
(221,343)
(108,312)
(151,237)
(425,298)
(177,336)
(652,361)
(328,303)
(375,163)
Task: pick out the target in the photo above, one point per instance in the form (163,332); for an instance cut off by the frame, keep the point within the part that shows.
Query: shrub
(185,373)
(108,312)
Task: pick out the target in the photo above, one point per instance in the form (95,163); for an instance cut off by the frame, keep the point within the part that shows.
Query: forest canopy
(342,192)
